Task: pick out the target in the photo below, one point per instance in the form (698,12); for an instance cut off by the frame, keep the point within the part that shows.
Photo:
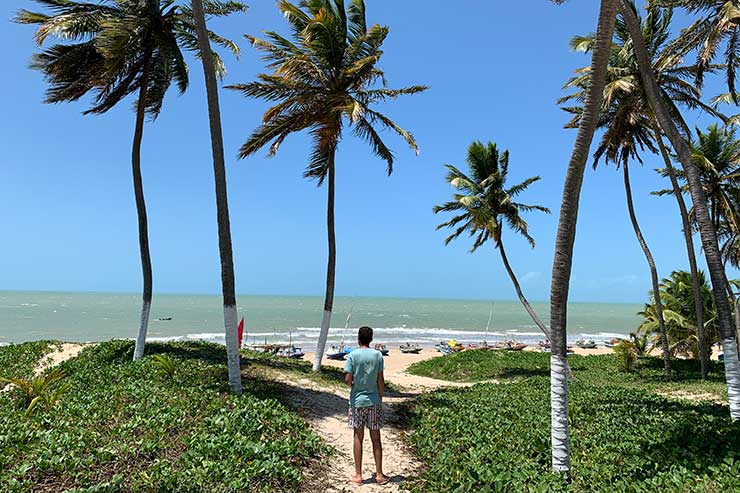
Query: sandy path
(57,356)
(325,409)
(396,364)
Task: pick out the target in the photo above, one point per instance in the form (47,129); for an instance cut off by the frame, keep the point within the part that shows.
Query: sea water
(84,317)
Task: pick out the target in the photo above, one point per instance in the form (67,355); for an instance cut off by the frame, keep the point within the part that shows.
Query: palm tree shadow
(690,441)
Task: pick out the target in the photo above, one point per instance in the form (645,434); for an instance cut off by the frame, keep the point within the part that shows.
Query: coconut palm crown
(118,45)
(626,115)
(715,28)
(325,75)
(482,202)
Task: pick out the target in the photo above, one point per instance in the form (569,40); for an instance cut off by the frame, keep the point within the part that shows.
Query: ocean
(86,317)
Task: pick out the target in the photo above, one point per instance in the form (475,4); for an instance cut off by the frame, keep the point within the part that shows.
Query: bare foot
(382,479)
(357,479)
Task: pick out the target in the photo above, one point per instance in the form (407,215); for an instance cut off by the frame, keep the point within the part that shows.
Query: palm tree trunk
(706,228)
(665,351)
(519,293)
(566,233)
(146,261)
(222,204)
(691,252)
(330,269)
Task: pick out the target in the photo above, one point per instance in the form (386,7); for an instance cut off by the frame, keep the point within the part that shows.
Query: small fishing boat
(164,319)
(612,342)
(586,343)
(382,348)
(337,352)
(516,346)
(443,347)
(291,352)
(409,348)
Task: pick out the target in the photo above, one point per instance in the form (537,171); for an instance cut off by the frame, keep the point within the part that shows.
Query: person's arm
(381,385)
(348,371)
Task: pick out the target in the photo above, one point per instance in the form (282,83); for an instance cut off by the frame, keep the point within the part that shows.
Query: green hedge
(122,427)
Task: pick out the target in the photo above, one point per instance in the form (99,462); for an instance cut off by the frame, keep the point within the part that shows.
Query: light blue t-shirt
(364,365)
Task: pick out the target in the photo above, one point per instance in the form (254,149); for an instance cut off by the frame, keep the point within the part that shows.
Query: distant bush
(626,355)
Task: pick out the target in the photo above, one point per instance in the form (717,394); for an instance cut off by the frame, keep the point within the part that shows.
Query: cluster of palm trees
(325,78)
(634,90)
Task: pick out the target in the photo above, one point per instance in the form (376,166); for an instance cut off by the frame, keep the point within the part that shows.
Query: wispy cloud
(531,276)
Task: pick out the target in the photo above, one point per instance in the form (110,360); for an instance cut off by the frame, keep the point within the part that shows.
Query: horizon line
(409,297)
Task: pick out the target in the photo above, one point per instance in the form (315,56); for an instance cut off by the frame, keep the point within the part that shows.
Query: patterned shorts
(371,417)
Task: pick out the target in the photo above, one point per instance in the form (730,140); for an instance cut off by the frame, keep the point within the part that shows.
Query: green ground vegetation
(19,360)
(628,433)
(126,426)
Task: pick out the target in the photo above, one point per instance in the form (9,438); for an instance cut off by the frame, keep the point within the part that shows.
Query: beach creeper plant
(325,78)
(707,230)
(483,203)
(110,50)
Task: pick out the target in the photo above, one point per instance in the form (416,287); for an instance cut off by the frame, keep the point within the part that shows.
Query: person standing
(364,375)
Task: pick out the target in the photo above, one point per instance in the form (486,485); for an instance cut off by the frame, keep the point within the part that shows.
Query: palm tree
(324,78)
(121,47)
(563,257)
(682,328)
(628,120)
(483,203)
(716,153)
(716,27)
(707,230)
(211,72)
(674,79)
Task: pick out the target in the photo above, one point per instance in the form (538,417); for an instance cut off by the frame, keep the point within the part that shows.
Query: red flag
(240,331)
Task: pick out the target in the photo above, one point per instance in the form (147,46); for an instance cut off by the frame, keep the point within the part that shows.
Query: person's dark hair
(365,336)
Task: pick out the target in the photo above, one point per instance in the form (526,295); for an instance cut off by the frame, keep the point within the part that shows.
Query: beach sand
(397,363)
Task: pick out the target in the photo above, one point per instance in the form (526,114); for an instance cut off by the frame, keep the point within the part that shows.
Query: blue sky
(495,73)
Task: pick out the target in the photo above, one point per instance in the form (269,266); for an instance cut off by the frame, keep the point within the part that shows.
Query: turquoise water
(26,316)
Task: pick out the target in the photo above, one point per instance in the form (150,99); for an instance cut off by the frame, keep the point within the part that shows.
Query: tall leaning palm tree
(629,124)
(324,78)
(566,233)
(118,48)
(483,203)
(211,72)
(707,231)
(675,82)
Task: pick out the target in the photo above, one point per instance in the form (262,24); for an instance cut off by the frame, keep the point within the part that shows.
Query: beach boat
(443,347)
(612,342)
(586,344)
(516,346)
(291,352)
(409,348)
(337,352)
(382,348)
